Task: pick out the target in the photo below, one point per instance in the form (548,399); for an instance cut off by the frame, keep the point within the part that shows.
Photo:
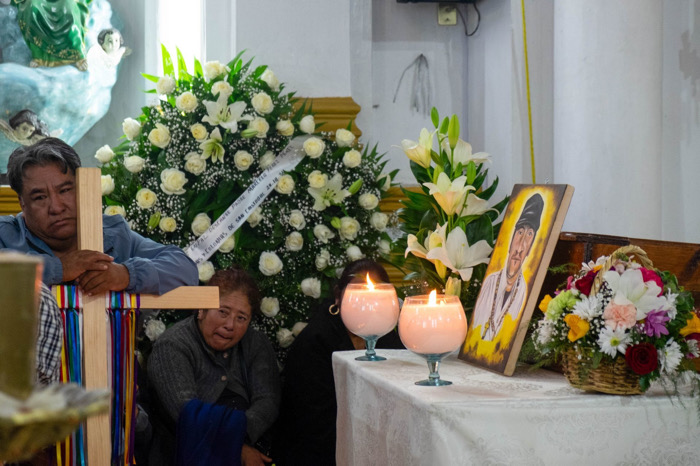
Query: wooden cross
(95,325)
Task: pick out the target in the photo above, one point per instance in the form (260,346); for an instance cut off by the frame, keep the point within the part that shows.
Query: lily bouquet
(448,225)
(618,310)
(211,133)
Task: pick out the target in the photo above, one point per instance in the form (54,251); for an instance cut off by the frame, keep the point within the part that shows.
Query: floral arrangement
(616,308)
(448,227)
(190,155)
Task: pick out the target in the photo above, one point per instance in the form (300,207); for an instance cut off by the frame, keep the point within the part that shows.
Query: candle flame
(432,298)
(370,285)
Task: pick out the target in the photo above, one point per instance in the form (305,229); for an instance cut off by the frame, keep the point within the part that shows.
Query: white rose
(307,124)
(269,306)
(206,271)
(297,220)
(270,264)
(385,180)
(284,337)
(134,164)
(262,103)
(186,102)
(115,210)
(195,164)
(267,159)
(317,179)
(368,201)
(145,198)
(285,127)
(228,244)
(260,125)
(242,160)
(255,217)
(311,287)
(352,158)
(354,253)
(172,181)
(344,138)
(379,221)
(384,246)
(314,147)
(269,77)
(221,88)
(165,85)
(167,224)
(104,154)
(298,327)
(322,259)
(107,185)
(159,136)
(214,69)
(199,132)
(349,228)
(294,241)
(323,233)
(200,224)
(154,328)
(285,185)
(131,128)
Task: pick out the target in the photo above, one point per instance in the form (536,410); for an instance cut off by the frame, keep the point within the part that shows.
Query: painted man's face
(519,249)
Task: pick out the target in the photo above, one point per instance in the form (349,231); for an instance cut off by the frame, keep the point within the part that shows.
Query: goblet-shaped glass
(370,311)
(432,327)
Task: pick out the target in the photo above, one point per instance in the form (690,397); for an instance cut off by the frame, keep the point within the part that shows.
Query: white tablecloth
(532,418)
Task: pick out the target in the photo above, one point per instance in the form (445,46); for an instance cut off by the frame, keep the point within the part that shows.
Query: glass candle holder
(432,326)
(370,311)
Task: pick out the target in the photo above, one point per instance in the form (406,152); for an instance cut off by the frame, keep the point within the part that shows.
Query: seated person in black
(306,427)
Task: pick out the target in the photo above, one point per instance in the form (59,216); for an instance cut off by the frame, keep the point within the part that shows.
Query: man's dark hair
(44,152)
(356,271)
(234,279)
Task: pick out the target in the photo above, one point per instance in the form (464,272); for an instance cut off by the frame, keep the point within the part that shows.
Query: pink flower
(651,276)
(620,316)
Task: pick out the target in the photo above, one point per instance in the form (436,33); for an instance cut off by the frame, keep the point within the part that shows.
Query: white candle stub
(368,309)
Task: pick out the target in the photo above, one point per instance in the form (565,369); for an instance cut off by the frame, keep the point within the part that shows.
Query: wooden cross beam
(95,322)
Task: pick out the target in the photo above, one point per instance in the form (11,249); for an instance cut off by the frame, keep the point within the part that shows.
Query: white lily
(462,153)
(450,195)
(226,116)
(475,206)
(213,147)
(459,256)
(330,194)
(419,151)
(630,288)
(434,239)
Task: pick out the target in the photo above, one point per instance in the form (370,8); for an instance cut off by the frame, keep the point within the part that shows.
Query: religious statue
(26,128)
(54,31)
(109,49)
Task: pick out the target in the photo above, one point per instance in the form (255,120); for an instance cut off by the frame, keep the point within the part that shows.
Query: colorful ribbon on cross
(122,310)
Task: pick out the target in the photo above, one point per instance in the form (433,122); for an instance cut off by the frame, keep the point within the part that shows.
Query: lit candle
(368,309)
(433,324)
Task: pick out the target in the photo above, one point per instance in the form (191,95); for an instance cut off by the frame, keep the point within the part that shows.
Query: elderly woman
(215,358)
(306,426)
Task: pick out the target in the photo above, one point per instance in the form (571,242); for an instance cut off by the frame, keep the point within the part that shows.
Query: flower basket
(620,324)
(614,378)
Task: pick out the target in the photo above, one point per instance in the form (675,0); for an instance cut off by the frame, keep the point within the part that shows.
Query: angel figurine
(26,128)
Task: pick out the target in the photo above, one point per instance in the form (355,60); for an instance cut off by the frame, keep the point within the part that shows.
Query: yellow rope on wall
(529,103)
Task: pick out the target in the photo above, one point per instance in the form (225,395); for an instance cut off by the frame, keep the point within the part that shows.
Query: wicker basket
(615,378)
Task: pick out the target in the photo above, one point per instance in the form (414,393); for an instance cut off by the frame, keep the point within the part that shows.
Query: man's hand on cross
(114,278)
(76,263)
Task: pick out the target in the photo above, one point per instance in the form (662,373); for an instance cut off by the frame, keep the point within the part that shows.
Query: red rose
(585,283)
(642,358)
(651,276)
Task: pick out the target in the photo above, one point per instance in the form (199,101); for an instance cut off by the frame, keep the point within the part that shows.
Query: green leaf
(480,228)
(182,66)
(435,117)
(453,131)
(421,174)
(150,77)
(198,68)
(168,68)
(471,172)
(444,125)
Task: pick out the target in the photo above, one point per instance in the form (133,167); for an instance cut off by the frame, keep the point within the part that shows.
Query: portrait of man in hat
(505,291)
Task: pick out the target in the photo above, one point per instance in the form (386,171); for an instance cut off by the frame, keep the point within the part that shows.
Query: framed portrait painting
(508,296)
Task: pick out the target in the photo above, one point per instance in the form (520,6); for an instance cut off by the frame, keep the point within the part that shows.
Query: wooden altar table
(532,418)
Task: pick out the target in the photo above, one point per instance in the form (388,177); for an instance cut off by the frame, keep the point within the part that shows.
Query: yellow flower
(578,327)
(692,326)
(544,303)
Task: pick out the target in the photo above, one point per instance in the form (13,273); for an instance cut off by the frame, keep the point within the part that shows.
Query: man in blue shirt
(43,176)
